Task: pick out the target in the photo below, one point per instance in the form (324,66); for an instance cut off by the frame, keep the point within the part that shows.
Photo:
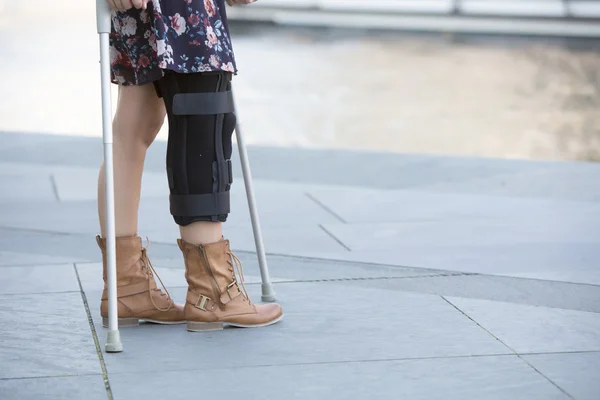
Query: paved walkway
(402,277)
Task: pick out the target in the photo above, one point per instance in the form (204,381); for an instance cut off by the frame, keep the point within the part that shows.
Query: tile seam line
(383,360)
(39,293)
(507,346)
(407,359)
(105,377)
(49,376)
(544,353)
(54,187)
(42,231)
(44,265)
(378,278)
(324,207)
(331,235)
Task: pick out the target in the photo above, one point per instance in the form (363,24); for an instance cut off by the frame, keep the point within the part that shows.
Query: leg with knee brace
(201,123)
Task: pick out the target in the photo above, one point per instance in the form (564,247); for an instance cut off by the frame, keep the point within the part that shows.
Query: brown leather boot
(138,296)
(214,297)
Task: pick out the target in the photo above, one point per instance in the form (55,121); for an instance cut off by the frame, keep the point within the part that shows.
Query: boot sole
(133,322)
(218,326)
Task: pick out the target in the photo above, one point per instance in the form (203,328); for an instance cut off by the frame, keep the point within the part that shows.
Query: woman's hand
(239,2)
(124,5)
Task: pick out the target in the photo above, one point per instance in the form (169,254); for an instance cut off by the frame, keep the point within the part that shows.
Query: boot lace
(235,266)
(151,272)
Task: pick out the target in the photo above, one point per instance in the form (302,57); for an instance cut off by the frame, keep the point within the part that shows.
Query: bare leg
(140,115)
(202,232)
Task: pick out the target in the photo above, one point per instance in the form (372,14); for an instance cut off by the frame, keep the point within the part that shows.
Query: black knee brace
(201,122)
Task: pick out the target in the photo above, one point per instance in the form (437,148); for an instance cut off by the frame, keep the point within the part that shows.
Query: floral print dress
(181,35)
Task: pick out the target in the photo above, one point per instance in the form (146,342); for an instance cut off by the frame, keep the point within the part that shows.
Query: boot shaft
(215,297)
(199,273)
(209,270)
(129,253)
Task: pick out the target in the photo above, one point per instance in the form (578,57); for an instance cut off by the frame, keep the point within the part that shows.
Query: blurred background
(490,78)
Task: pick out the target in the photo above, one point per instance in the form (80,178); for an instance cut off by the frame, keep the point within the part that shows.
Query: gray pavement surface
(402,276)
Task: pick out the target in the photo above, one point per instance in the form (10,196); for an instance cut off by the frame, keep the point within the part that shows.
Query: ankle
(202,232)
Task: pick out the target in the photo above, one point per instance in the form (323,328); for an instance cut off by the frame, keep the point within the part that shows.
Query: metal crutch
(113,339)
(268,293)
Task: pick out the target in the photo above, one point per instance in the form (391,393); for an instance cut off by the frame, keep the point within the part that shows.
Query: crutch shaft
(113,343)
(268,293)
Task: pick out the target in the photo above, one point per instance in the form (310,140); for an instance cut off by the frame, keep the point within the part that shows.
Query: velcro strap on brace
(191,205)
(227,169)
(203,103)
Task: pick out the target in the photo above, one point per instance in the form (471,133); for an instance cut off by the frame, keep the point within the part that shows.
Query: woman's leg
(202,232)
(140,115)
(138,119)
(201,123)
(199,145)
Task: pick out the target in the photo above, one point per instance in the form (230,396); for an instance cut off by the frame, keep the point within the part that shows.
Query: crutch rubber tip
(268,294)
(113,342)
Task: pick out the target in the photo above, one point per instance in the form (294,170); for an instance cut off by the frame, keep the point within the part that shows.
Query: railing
(545,17)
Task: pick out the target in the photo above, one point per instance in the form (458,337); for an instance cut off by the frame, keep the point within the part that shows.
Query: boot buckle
(202,301)
(229,287)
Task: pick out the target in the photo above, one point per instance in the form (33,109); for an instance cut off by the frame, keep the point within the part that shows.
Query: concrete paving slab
(357,205)
(71,217)
(59,150)
(285,240)
(279,204)
(25,170)
(73,247)
(51,246)
(565,262)
(58,388)
(387,236)
(78,184)
(31,190)
(45,335)
(576,373)
(435,173)
(11,258)
(566,181)
(308,269)
(512,290)
(530,329)
(39,279)
(33,169)
(321,325)
(277,239)
(500,377)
